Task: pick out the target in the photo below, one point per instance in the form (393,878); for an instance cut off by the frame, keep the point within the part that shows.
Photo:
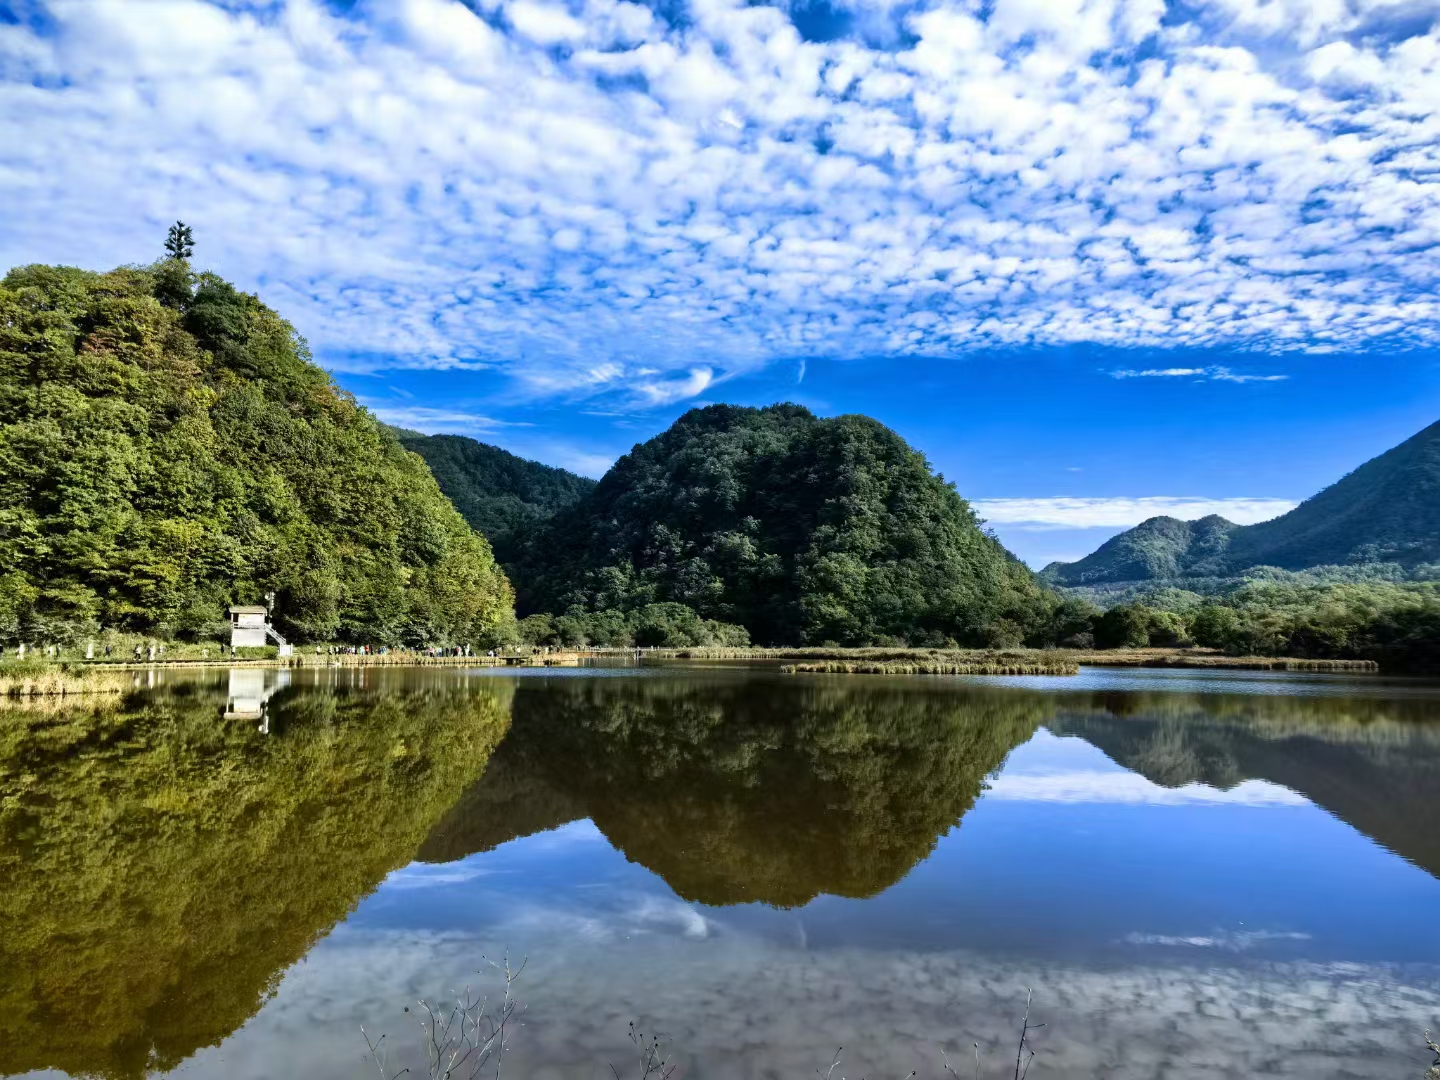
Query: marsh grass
(39,679)
(993,666)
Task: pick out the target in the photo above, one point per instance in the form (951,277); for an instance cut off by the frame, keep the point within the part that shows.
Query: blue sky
(1096,258)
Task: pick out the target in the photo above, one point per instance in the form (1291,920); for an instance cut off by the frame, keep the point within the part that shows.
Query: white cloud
(1161,373)
(666,391)
(1215,373)
(1120,512)
(435,421)
(1224,374)
(571,192)
(1223,940)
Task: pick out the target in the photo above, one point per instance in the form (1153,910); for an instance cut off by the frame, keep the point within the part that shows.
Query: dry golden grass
(29,681)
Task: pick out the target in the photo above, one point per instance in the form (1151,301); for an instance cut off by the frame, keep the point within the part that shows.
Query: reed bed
(59,681)
(997,666)
(1019,661)
(1196,658)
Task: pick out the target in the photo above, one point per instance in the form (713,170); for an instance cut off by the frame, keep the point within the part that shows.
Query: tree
(180,243)
(1124,627)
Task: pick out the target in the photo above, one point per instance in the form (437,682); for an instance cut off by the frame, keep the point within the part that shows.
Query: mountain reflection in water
(778,790)
(162,867)
(766,790)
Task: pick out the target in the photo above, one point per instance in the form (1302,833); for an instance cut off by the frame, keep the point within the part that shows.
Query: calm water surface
(1199,874)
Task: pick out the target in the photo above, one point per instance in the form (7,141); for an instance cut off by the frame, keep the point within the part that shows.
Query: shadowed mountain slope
(501,495)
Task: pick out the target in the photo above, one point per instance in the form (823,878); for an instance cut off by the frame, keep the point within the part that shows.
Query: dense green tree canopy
(167,448)
(800,529)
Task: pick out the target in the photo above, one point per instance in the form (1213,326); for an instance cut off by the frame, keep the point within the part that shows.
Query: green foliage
(1385,512)
(502,496)
(1066,621)
(162,460)
(672,626)
(800,529)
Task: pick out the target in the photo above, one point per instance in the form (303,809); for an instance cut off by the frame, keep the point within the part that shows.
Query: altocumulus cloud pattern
(602,197)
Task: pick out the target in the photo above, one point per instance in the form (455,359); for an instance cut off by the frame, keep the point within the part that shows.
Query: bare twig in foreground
(465,1040)
(652,1060)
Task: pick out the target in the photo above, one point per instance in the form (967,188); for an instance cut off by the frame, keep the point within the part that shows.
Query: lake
(1195,874)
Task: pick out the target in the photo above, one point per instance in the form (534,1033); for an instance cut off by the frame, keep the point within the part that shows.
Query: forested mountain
(501,495)
(801,529)
(167,448)
(1386,511)
(1157,549)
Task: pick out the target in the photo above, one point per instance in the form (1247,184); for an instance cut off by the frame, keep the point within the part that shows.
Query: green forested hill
(167,449)
(501,495)
(1157,549)
(799,528)
(1386,511)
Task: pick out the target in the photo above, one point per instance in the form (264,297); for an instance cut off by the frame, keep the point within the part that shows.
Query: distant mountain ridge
(501,495)
(1386,511)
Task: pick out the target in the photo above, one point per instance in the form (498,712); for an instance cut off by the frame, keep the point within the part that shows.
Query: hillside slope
(1386,511)
(161,460)
(501,495)
(799,528)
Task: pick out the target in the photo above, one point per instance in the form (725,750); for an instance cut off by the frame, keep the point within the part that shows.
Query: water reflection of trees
(1373,762)
(160,867)
(771,789)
